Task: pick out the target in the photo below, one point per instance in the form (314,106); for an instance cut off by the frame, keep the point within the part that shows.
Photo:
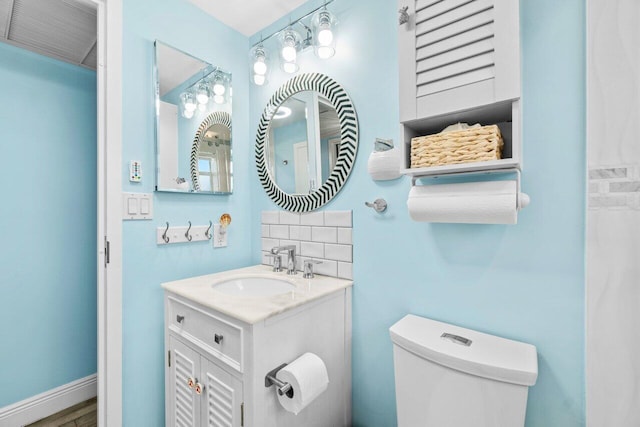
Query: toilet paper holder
(283,388)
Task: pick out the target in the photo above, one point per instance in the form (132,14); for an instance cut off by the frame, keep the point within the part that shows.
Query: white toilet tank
(447,376)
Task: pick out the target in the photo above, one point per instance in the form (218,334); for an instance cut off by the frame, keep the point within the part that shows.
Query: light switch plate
(220,236)
(137,206)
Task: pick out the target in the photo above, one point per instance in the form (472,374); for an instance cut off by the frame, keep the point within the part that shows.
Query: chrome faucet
(291,252)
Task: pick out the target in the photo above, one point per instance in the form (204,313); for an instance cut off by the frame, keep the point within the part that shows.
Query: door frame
(109,230)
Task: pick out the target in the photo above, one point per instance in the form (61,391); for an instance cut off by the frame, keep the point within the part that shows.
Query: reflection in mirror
(193,124)
(303,142)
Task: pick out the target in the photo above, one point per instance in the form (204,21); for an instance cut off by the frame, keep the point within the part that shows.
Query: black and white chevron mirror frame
(331,90)
(215,118)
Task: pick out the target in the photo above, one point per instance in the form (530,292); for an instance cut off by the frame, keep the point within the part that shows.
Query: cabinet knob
(404,16)
(191,382)
(179,318)
(218,338)
(199,388)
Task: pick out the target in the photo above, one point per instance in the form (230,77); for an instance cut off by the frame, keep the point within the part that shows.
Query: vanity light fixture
(188,101)
(203,93)
(259,68)
(324,44)
(320,35)
(289,42)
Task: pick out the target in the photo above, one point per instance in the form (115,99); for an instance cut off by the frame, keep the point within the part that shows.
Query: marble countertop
(254,309)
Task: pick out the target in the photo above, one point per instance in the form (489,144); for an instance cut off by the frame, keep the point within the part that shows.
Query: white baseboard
(48,403)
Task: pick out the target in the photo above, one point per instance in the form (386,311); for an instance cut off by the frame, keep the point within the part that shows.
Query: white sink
(253,287)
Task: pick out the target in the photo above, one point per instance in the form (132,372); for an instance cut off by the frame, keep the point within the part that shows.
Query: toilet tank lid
(486,355)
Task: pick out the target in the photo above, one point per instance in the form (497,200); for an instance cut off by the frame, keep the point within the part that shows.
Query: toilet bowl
(447,376)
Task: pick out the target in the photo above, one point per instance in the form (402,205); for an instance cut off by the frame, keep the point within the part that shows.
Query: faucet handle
(277,262)
(308,268)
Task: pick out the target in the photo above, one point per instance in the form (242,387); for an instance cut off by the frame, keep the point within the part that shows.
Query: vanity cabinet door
(184,403)
(456,55)
(222,404)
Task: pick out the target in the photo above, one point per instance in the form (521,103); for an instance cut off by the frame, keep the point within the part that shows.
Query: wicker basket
(463,146)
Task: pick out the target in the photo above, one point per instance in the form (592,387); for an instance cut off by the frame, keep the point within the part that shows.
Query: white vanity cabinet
(459,60)
(219,348)
(200,392)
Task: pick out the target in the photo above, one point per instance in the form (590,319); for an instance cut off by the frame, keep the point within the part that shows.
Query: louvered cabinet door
(457,54)
(184,402)
(222,397)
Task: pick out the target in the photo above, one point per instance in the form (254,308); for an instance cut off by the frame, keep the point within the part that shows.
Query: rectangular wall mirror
(193,124)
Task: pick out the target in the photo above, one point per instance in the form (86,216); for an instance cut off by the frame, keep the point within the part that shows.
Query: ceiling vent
(62,29)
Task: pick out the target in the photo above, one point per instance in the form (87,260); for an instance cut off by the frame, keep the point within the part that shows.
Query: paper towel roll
(308,377)
(491,202)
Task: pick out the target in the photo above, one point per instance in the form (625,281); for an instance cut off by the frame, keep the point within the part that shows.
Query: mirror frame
(339,99)
(215,118)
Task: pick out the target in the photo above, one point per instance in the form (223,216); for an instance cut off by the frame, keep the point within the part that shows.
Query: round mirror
(210,163)
(306,142)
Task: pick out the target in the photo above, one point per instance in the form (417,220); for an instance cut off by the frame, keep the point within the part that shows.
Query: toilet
(447,376)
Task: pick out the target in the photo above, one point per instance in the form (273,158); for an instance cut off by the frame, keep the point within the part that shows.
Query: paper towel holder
(282,387)
(522,199)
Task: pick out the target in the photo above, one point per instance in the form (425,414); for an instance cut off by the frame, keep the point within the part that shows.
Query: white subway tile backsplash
(312,218)
(289,218)
(345,236)
(270,217)
(326,267)
(305,232)
(337,218)
(294,232)
(279,231)
(267,244)
(324,234)
(311,249)
(345,270)
(338,252)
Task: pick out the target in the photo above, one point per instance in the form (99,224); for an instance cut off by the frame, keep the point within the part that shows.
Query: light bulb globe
(218,89)
(259,67)
(218,99)
(289,53)
(259,79)
(325,37)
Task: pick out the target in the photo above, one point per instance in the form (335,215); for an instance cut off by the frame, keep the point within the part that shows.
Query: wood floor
(83,414)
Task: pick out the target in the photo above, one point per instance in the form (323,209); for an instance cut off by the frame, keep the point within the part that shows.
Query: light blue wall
(146,265)
(523,282)
(48,215)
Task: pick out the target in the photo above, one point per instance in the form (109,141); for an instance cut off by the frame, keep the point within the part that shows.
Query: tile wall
(614,187)
(324,236)
(613,218)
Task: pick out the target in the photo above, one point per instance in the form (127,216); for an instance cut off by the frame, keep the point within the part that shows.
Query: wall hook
(164,236)
(186,234)
(208,232)
(379,205)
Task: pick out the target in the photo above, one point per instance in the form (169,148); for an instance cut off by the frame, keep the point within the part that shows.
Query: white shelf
(506,115)
(489,166)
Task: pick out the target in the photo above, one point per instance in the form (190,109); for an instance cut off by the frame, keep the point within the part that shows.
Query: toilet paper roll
(308,377)
(491,202)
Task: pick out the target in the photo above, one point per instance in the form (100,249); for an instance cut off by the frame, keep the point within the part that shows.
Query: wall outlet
(220,236)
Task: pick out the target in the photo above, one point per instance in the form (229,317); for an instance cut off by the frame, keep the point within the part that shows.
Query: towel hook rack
(164,236)
(186,234)
(208,232)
